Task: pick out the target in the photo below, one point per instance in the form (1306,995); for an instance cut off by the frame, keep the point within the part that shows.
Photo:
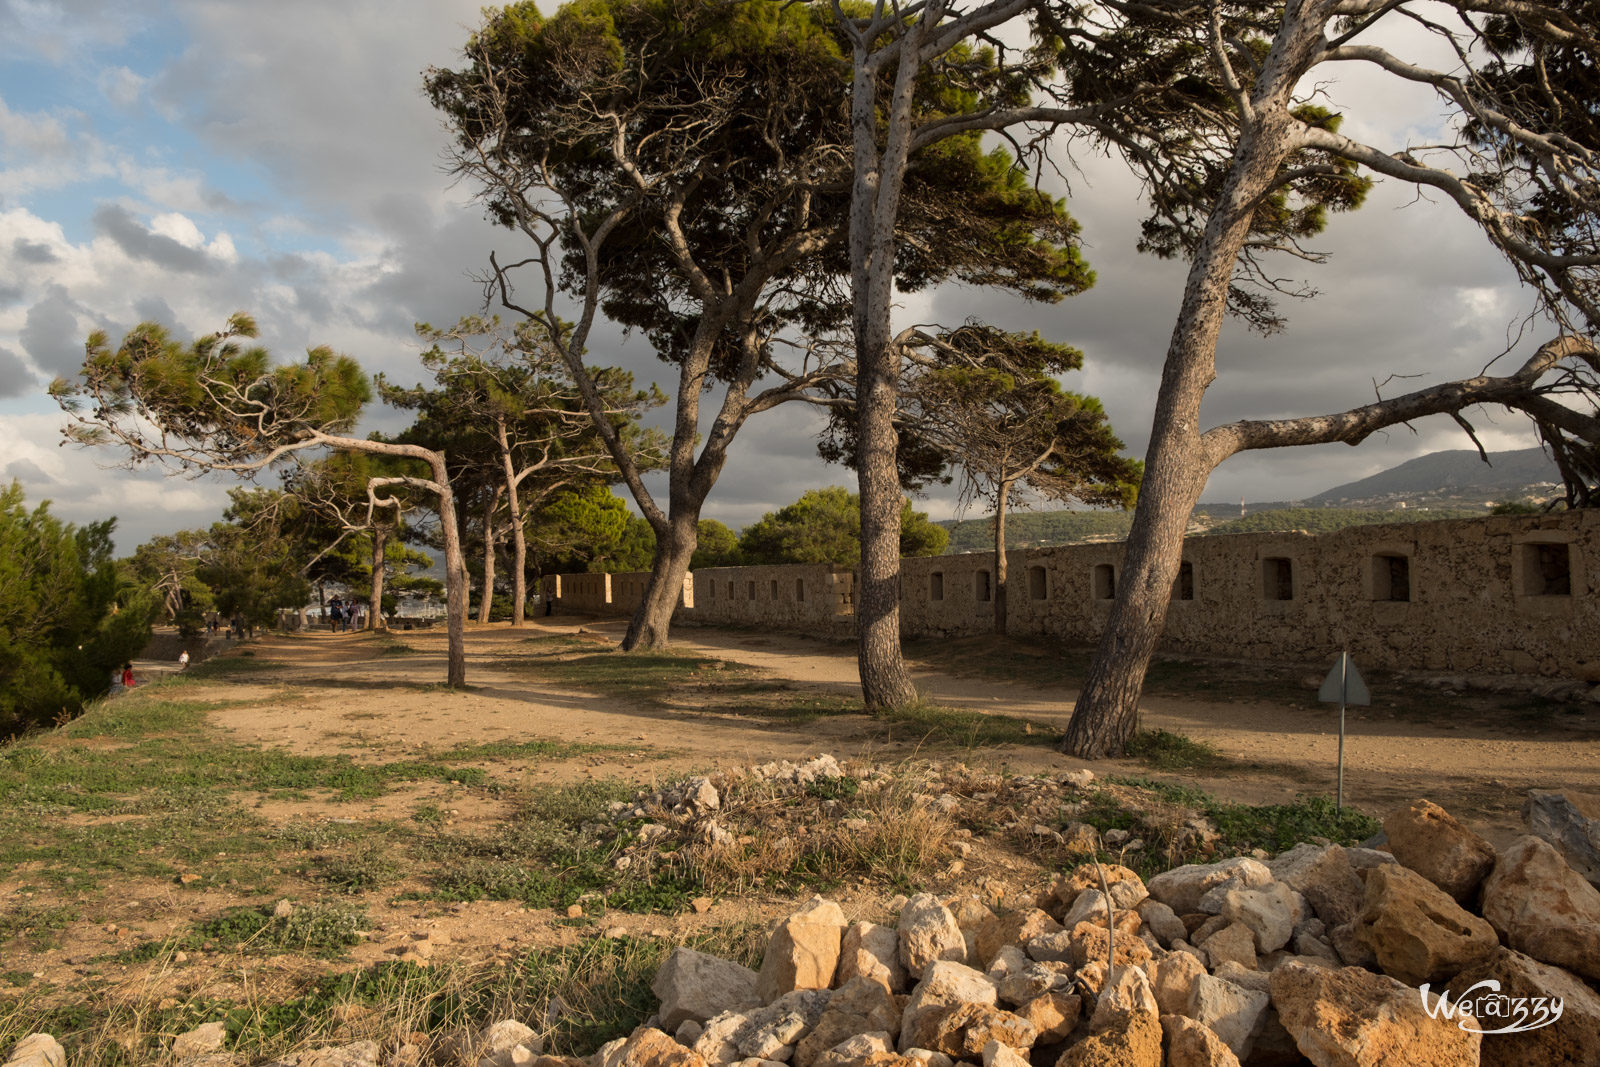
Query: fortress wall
(1508,594)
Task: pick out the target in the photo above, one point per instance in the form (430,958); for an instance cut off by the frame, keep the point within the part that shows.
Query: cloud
(121,86)
(15,377)
(28,473)
(35,252)
(52,335)
(118,223)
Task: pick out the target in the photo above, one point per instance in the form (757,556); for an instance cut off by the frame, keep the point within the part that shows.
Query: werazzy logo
(1491,1006)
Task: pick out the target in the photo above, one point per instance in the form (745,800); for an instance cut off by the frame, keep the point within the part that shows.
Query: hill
(1459,474)
(1027,529)
(1327,520)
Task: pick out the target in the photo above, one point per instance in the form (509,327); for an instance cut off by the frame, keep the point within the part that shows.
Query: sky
(175,161)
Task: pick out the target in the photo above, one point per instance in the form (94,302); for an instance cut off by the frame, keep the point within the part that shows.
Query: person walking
(183,660)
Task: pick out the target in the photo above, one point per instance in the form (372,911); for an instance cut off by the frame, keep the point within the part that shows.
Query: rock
(872,951)
(929,1058)
(1191,1044)
(688,1032)
(774,1041)
(1234,942)
(944,985)
(928,933)
(1182,887)
(1053,947)
(1008,961)
(1127,888)
(1125,1030)
(37,1050)
(649,1047)
(1556,819)
(205,1038)
(1429,840)
(996,1054)
(1574,1038)
(1260,981)
(282,909)
(963,1031)
(357,1054)
(1161,921)
(1053,1016)
(1171,979)
(854,1050)
(693,985)
(1271,913)
(718,1043)
(497,1042)
(1543,908)
(1080,779)
(970,915)
(1016,928)
(1231,1011)
(1088,906)
(857,1007)
(1089,942)
(1350,948)
(1354,1018)
(803,952)
(1034,979)
(1416,931)
(1324,876)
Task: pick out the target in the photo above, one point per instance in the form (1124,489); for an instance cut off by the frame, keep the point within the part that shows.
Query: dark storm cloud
(15,377)
(51,334)
(35,252)
(119,224)
(27,472)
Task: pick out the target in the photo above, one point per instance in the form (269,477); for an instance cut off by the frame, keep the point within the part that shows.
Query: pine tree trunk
(519,536)
(487,602)
(455,579)
(380,538)
(885,682)
(1002,495)
(652,621)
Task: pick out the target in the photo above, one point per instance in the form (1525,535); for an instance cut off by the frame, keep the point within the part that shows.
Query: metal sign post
(1343,684)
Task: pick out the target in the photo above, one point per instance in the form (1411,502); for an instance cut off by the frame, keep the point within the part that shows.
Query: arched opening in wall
(983,589)
(751,591)
(774,591)
(1038,583)
(1105,581)
(1277,578)
(1391,577)
(1183,584)
(800,590)
(1547,569)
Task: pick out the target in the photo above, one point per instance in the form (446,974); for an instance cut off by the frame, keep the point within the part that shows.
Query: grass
(1167,751)
(314,929)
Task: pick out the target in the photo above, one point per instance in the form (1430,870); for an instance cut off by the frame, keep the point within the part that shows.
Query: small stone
(574,911)
(282,909)
(701,905)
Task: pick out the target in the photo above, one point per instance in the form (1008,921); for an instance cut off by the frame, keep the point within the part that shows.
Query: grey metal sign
(1344,686)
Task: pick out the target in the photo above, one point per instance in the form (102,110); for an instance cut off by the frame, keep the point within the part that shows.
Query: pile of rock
(1317,955)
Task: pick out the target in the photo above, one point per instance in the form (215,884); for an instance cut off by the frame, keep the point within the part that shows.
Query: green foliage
(824,526)
(591,530)
(1039,528)
(1166,751)
(66,620)
(1328,520)
(715,546)
(1516,507)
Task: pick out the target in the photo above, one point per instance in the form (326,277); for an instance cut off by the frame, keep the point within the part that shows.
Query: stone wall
(1505,595)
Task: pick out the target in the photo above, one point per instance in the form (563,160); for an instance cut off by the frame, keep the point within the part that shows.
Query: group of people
(345,616)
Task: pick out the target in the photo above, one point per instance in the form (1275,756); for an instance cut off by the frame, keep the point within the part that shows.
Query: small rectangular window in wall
(1547,570)
(982,588)
(1183,584)
(751,591)
(1277,578)
(800,590)
(1105,581)
(730,589)
(774,592)
(711,590)
(936,585)
(1391,577)
(1038,584)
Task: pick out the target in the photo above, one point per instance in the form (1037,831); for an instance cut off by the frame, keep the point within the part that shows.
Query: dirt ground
(1472,758)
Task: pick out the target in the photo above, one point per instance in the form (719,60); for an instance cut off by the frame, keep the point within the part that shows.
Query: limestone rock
(963,1032)
(857,1007)
(1088,942)
(1432,842)
(718,1043)
(803,952)
(928,933)
(1231,1011)
(1576,836)
(497,1042)
(37,1050)
(208,1037)
(1323,875)
(1416,931)
(872,951)
(1234,942)
(649,1047)
(1182,887)
(996,1054)
(970,914)
(944,985)
(855,1050)
(1350,948)
(1016,928)
(1161,921)
(1192,1044)
(1543,908)
(1008,961)
(693,985)
(1354,1018)
(773,1040)
(1271,913)
(1127,888)
(1574,1038)
(1053,1016)
(1033,980)
(359,1054)
(1125,1030)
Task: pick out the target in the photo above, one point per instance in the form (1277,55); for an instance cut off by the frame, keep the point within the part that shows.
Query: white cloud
(121,86)
(180,228)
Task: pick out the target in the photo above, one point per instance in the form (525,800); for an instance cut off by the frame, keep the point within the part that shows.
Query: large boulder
(1271,912)
(803,952)
(37,1050)
(1231,1011)
(1125,1030)
(1571,1040)
(1543,908)
(928,932)
(944,985)
(1324,876)
(965,1030)
(1192,1044)
(1182,888)
(1559,821)
(872,951)
(1416,931)
(1354,1018)
(1432,842)
(693,985)
(859,1006)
